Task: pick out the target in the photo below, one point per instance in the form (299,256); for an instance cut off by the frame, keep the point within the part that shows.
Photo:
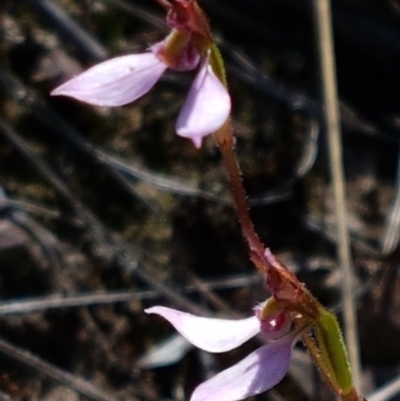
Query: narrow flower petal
(206,108)
(258,372)
(212,335)
(115,82)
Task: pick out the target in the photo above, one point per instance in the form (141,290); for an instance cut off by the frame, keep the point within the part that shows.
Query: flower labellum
(258,372)
(206,108)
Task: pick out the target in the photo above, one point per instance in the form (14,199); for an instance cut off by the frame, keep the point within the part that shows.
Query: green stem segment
(329,354)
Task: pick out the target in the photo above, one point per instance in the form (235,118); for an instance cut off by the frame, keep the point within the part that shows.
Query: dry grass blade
(70,301)
(323,22)
(387,392)
(160,181)
(76,383)
(391,234)
(21,306)
(70,29)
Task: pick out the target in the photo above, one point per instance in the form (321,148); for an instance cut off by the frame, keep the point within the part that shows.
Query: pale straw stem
(323,24)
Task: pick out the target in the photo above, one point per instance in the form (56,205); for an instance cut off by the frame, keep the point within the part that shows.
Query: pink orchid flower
(258,372)
(125,79)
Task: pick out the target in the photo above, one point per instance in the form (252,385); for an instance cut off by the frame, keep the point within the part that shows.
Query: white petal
(115,82)
(258,372)
(212,335)
(206,108)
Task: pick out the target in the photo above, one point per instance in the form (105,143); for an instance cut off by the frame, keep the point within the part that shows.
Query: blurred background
(104,212)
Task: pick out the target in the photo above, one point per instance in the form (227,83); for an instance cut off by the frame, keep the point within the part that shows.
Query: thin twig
(20,306)
(323,24)
(76,383)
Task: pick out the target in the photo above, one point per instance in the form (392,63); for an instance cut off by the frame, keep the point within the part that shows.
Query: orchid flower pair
(123,80)
(292,311)
(260,370)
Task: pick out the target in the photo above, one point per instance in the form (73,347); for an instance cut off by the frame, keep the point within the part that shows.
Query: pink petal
(115,82)
(206,108)
(258,372)
(212,335)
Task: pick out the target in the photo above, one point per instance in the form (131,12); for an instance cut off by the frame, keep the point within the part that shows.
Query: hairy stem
(224,139)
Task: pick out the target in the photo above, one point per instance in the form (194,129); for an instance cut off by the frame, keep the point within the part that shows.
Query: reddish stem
(283,284)
(224,139)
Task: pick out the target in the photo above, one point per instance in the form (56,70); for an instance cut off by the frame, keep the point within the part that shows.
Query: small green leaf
(332,349)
